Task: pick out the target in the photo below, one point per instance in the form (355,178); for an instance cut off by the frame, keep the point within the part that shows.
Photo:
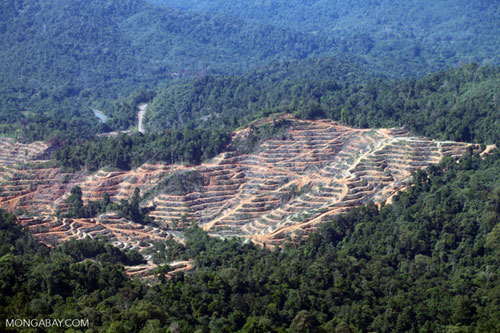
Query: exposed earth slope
(285,187)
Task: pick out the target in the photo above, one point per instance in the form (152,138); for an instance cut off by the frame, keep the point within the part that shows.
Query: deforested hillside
(249,166)
(265,187)
(428,261)
(192,122)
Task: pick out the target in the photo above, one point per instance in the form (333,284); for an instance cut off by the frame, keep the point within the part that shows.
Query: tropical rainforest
(73,73)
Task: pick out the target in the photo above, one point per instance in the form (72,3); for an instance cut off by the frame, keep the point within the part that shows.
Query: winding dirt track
(140,118)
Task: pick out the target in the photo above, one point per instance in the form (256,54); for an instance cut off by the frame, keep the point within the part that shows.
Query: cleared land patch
(287,186)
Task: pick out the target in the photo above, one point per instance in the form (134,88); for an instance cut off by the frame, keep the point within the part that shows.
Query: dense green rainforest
(427,263)
(398,37)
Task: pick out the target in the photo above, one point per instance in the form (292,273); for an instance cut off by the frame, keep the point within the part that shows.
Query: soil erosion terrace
(286,187)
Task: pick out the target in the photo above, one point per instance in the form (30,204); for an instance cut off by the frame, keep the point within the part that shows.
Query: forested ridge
(404,38)
(108,50)
(126,152)
(113,46)
(427,262)
(458,104)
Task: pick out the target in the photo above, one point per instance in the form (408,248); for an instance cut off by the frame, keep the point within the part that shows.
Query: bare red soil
(287,187)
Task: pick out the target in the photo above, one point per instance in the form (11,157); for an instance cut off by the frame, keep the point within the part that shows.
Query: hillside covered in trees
(458,104)
(110,52)
(404,38)
(61,57)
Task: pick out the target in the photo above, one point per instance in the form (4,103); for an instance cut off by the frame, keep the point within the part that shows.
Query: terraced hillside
(12,152)
(122,233)
(284,188)
(291,184)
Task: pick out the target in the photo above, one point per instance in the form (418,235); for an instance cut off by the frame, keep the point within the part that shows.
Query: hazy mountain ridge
(413,37)
(108,50)
(133,42)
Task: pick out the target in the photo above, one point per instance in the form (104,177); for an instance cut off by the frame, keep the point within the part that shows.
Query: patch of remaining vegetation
(179,183)
(249,143)
(293,191)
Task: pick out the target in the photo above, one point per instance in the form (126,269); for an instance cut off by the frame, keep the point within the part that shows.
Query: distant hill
(123,43)
(403,37)
(59,56)
(192,122)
